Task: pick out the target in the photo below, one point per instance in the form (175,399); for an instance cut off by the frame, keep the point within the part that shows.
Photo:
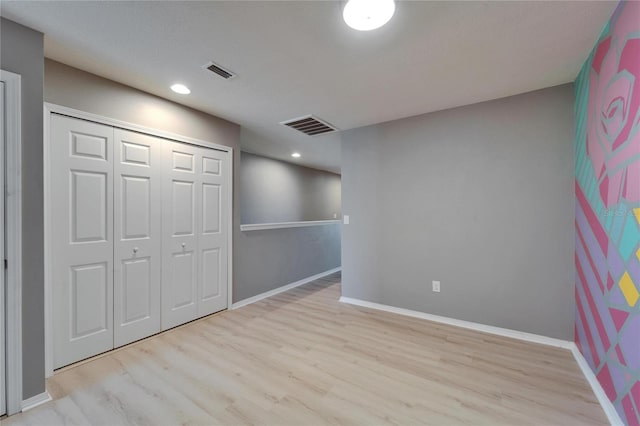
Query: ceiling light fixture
(180,88)
(367,15)
(296,155)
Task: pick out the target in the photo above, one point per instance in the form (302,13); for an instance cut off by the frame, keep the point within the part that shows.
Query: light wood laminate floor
(304,358)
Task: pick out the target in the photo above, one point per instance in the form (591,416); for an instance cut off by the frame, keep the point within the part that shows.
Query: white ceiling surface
(297,58)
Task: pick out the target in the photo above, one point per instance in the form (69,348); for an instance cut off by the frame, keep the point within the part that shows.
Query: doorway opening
(10,244)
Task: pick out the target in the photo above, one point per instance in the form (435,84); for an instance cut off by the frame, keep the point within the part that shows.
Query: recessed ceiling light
(180,88)
(366,15)
(296,155)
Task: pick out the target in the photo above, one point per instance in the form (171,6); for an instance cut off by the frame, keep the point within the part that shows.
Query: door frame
(13,236)
(49,109)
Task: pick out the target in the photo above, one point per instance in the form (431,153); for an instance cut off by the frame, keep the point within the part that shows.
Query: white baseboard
(607,406)
(603,399)
(286,287)
(36,400)
(521,335)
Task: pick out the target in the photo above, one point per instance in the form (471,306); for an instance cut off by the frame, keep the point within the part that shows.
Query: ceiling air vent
(309,125)
(226,74)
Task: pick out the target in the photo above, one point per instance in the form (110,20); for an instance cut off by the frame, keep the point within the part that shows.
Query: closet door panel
(181,204)
(212,233)
(81,163)
(138,236)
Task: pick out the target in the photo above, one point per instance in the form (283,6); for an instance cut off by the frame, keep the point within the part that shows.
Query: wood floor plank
(303,358)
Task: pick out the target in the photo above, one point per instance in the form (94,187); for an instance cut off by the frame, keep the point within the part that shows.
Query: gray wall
(78,89)
(21,52)
(478,197)
(277,191)
(272,258)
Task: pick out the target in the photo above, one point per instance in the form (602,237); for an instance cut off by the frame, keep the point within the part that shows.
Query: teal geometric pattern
(607,220)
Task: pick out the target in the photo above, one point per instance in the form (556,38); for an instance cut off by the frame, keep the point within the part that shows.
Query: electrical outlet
(345,219)
(436,286)
(335,215)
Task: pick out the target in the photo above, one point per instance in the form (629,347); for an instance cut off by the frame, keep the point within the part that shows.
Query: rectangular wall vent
(309,125)
(217,69)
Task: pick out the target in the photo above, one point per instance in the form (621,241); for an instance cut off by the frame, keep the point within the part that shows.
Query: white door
(180,207)
(212,232)
(138,236)
(82,238)
(195,233)
(3,311)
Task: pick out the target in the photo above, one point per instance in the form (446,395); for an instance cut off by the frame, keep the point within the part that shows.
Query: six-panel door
(139,235)
(82,238)
(194,246)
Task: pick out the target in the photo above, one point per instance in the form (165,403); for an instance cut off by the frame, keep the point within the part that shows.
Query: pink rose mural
(607,261)
(613,119)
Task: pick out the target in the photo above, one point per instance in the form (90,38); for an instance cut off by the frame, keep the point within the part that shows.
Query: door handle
(135,249)
(184,245)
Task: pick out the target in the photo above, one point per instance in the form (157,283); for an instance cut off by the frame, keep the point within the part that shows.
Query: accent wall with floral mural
(607,258)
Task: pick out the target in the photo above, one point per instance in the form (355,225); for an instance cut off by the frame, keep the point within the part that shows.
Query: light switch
(346,219)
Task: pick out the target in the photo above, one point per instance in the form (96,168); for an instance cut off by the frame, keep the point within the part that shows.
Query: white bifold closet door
(82,238)
(194,245)
(138,236)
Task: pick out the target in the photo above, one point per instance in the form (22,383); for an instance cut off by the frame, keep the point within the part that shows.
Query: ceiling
(298,58)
